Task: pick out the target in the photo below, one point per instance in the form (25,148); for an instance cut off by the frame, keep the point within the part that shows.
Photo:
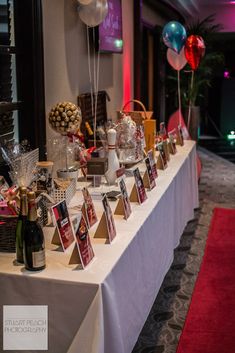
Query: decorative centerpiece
(126,133)
(65,118)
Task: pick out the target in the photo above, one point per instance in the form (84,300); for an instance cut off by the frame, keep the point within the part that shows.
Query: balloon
(94,13)
(194,50)
(84,2)
(174,35)
(177,61)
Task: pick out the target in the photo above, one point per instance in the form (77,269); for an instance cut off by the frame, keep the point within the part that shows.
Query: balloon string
(96,96)
(89,70)
(96,81)
(190,101)
(179,96)
(96,84)
(66,153)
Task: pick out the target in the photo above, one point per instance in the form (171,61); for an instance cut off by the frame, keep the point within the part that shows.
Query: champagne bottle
(34,248)
(20,226)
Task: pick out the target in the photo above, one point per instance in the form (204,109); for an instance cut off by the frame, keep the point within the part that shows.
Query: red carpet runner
(210,323)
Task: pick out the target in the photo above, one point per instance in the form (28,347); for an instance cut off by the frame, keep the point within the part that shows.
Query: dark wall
(227,115)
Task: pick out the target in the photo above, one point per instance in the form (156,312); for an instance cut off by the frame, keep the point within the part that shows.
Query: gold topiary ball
(65,117)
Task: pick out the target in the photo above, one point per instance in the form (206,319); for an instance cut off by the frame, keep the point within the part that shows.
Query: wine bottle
(20,226)
(34,247)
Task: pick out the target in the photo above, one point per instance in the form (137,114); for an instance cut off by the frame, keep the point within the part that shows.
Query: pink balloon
(177,61)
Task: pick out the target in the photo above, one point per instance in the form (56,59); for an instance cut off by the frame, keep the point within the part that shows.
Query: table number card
(83,252)
(161,161)
(64,230)
(106,228)
(149,181)
(138,193)
(88,208)
(123,206)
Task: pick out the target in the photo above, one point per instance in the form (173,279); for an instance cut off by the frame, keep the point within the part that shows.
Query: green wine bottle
(20,226)
(34,247)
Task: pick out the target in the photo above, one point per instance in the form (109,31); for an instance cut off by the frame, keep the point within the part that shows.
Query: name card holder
(75,258)
(102,230)
(179,137)
(166,150)
(119,210)
(82,253)
(56,238)
(134,194)
(63,235)
(151,156)
(88,209)
(162,158)
(172,148)
(160,162)
(123,207)
(106,228)
(148,178)
(138,193)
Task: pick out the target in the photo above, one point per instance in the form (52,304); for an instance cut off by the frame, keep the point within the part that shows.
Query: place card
(166,150)
(88,208)
(120,173)
(138,193)
(161,161)
(172,142)
(64,231)
(150,155)
(179,138)
(148,179)
(123,207)
(83,252)
(106,228)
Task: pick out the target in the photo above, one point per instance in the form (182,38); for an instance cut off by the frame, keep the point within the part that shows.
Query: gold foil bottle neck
(23,190)
(31,196)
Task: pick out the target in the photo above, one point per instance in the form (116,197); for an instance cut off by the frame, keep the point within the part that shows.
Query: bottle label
(38,258)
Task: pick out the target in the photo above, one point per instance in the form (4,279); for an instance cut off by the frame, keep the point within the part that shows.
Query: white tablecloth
(103,308)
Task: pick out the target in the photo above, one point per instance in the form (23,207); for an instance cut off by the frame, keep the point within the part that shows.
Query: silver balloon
(94,13)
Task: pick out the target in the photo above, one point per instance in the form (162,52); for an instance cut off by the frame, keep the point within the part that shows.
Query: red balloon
(194,50)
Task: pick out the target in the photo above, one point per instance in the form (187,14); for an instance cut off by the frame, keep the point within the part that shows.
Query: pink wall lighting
(226,74)
(127,58)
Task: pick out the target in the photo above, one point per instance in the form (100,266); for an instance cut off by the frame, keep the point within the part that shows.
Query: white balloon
(84,2)
(177,61)
(94,13)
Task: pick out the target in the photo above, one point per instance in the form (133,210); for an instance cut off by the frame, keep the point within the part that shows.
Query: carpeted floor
(206,330)
(164,324)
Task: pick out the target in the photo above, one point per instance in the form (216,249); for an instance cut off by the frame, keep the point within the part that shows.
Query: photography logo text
(25,327)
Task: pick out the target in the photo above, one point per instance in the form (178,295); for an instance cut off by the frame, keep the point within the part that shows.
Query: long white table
(102,309)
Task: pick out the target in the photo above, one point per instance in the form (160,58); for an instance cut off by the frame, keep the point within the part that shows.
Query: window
(8,118)
(22,107)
